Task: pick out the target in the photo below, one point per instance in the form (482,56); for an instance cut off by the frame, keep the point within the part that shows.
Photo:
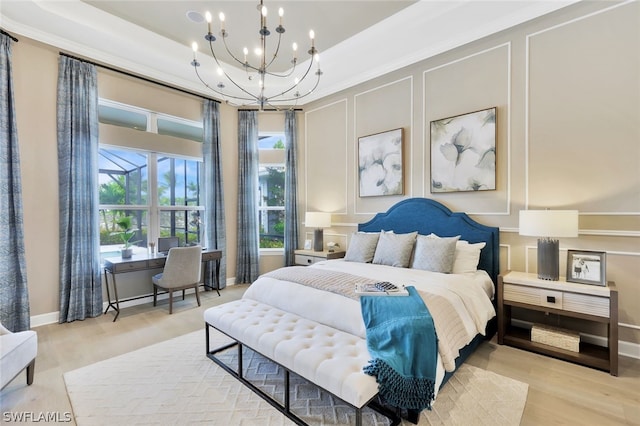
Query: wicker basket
(556,337)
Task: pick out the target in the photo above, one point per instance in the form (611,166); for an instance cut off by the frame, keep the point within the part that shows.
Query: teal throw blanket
(403,344)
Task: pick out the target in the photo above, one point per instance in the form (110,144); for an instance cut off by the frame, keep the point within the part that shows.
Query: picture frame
(463,152)
(307,244)
(587,267)
(380,164)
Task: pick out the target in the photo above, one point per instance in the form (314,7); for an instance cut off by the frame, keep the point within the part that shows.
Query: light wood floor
(560,393)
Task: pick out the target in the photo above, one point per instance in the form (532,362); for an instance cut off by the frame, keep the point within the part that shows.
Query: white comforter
(469,294)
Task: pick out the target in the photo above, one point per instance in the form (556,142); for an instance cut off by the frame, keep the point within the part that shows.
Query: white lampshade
(549,223)
(317,219)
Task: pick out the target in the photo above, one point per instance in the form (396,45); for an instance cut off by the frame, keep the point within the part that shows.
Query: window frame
(269,162)
(152,207)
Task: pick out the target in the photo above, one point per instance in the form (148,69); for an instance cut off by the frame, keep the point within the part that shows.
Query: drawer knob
(551,299)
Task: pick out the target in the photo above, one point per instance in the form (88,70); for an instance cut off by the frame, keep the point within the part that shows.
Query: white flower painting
(463,152)
(380,164)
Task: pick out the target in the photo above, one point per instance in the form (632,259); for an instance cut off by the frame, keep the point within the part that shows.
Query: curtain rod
(3,32)
(272,109)
(148,80)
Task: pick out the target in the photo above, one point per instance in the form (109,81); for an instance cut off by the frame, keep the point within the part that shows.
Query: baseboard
(54,317)
(628,349)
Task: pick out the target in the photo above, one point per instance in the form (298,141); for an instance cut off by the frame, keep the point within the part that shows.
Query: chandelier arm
(301,80)
(253,98)
(301,96)
(244,64)
(275,54)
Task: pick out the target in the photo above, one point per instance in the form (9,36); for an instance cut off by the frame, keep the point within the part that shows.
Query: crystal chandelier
(252,92)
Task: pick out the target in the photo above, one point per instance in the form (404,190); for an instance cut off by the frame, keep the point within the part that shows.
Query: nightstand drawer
(307,260)
(533,296)
(586,304)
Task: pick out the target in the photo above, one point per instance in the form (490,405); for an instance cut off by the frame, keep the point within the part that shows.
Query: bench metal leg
(284,409)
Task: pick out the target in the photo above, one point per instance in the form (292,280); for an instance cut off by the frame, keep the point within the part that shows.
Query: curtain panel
(14,295)
(247,262)
(290,188)
(214,220)
(77,115)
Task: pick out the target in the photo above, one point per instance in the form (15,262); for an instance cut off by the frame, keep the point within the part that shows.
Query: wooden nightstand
(309,257)
(587,302)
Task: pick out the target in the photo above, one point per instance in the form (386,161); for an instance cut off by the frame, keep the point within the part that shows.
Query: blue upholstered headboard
(428,216)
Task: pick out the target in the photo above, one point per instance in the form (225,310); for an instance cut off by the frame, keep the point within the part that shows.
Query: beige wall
(567,92)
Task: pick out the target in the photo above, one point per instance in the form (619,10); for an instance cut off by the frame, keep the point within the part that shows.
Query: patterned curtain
(14,297)
(214,222)
(248,252)
(80,285)
(290,188)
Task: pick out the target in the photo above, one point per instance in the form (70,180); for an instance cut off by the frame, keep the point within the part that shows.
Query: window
(172,210)
(271,191)
(160,192)
(179,202)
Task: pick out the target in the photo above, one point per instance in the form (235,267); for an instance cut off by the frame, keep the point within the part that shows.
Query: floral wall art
(463,152)
(380,164)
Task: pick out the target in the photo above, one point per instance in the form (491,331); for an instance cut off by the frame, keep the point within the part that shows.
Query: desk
(142,262)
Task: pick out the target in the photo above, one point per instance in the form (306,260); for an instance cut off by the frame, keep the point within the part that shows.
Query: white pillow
(362,247)
(395,249)
(434,254)
(467,257)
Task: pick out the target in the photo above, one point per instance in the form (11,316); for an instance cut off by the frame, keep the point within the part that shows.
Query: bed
(310,321)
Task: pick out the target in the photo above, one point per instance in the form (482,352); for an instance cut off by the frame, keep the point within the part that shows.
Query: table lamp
(549,224)
(317,220)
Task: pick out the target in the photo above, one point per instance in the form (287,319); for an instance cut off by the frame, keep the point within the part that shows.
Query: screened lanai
(125,177)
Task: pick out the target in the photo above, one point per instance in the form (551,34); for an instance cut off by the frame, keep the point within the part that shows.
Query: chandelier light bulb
(257,51)
(281,14)
(312,35)
(194,46)
(207,16)
(220,71)
(296,81)
(264,11)
(221,17)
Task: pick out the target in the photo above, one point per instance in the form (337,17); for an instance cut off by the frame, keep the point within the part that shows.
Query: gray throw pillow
(394,249)
(362,247)
(435,254)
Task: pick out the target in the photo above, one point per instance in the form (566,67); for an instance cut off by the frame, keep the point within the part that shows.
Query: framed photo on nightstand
(587,267)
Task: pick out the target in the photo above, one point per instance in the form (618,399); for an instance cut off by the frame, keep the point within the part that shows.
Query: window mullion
(154,211)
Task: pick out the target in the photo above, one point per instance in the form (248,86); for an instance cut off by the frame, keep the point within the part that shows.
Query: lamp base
(318,243)
(548,259)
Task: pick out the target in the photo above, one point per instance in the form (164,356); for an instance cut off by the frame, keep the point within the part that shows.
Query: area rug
(173,382)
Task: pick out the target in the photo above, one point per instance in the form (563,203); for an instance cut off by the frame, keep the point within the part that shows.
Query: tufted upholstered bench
(329,358)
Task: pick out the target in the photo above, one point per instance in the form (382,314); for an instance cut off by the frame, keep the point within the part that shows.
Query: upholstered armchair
(182,270)
(17,352)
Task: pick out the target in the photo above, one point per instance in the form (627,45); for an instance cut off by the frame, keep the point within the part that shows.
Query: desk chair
(181,271)
(17,352)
